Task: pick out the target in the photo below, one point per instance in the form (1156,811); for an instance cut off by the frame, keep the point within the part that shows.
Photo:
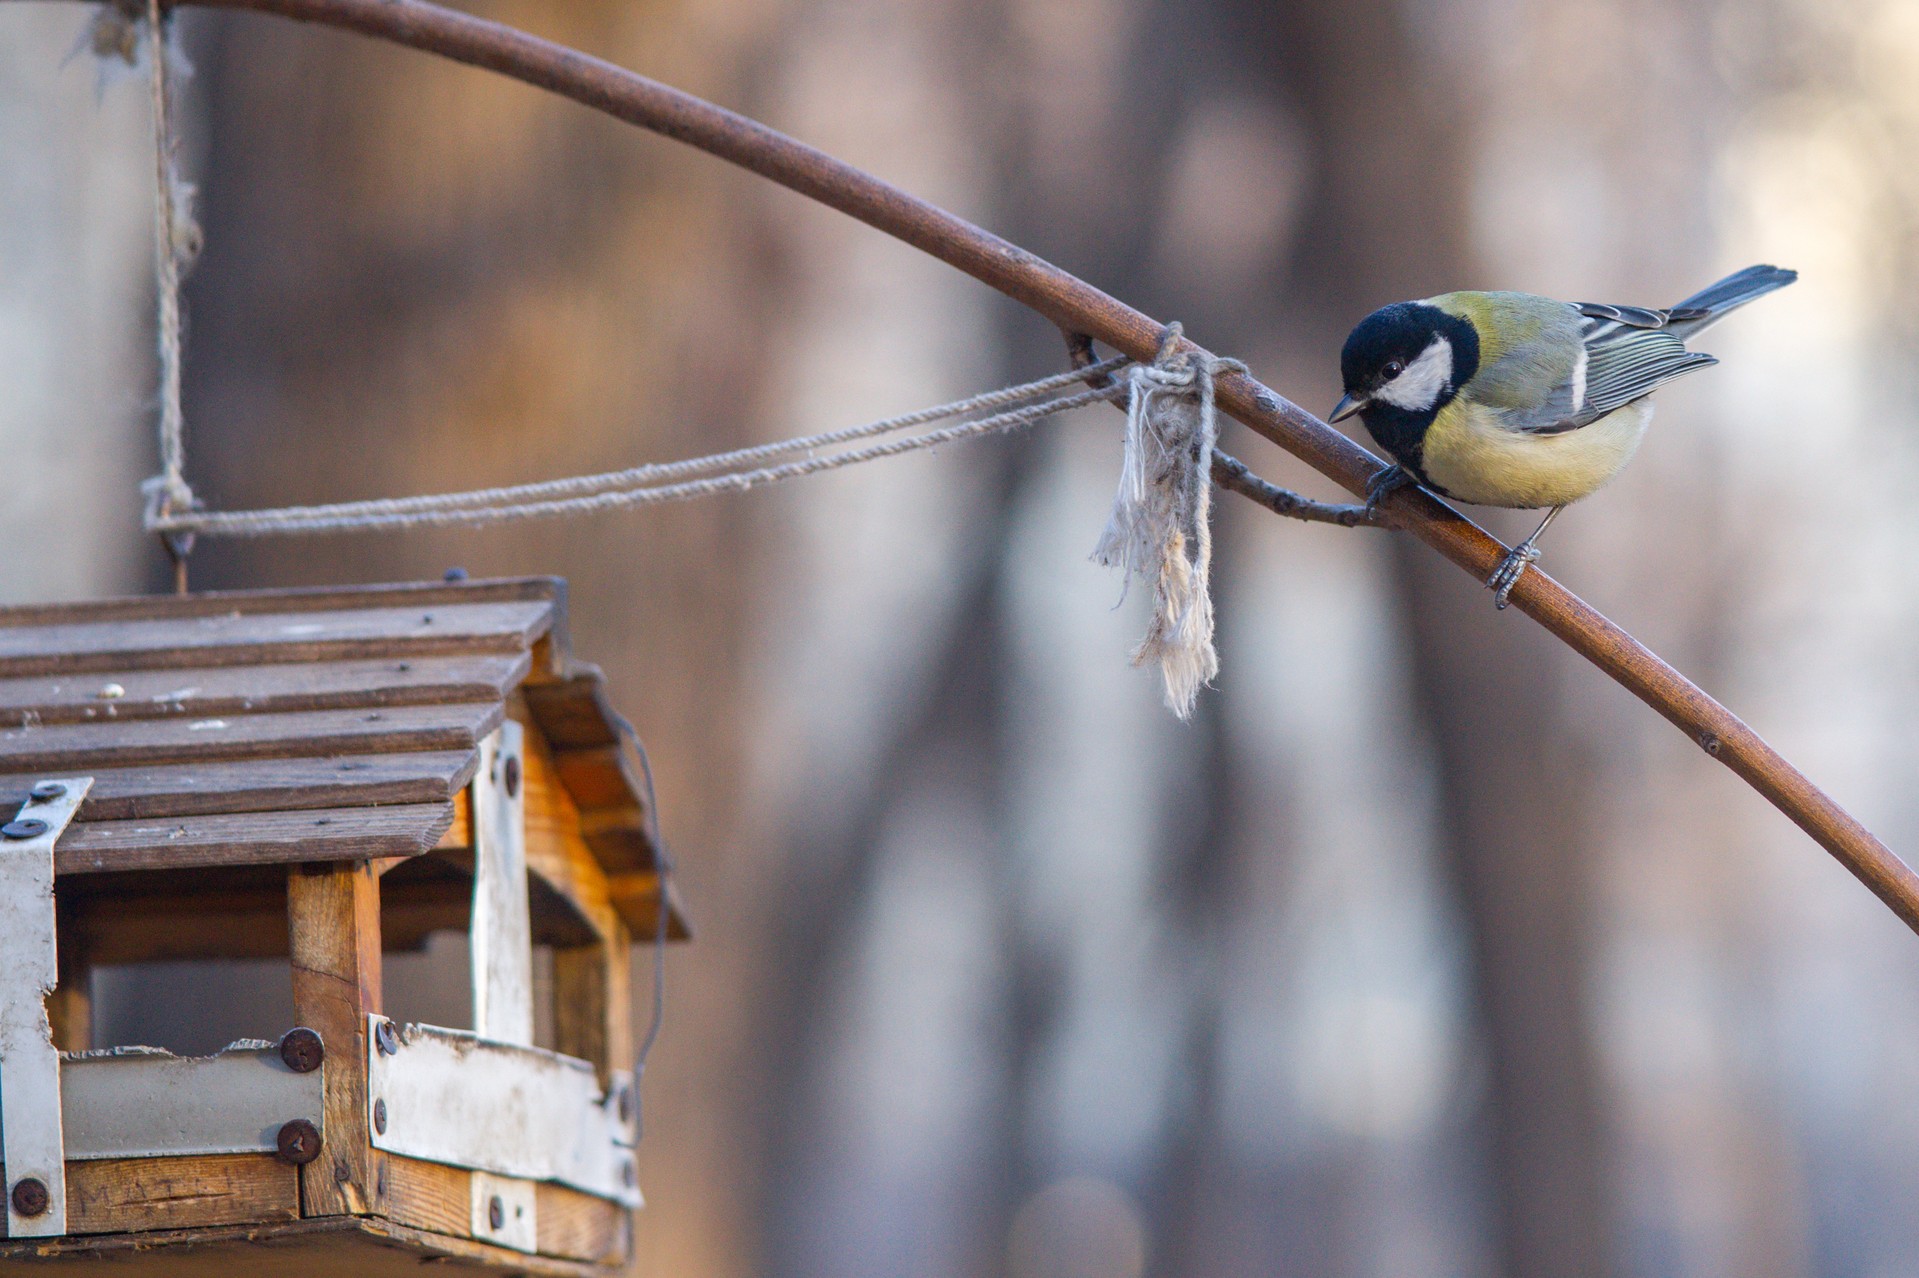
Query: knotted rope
(1161,526)
(176,241)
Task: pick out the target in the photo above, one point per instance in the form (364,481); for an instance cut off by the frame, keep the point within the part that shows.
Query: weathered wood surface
(636,896)
(577,1226)
(333,916)
(556,851)
(263,785)
(438,1199)
(595,778)
(294,726)
(564,853)
(407,594)
(326,1247)
(221,690)
(429,1196)
(131,923)
(581,995)
(579,724)
(391,729)
(199,923)
(321,834)
(569,713)
(125,1195)
(227,639)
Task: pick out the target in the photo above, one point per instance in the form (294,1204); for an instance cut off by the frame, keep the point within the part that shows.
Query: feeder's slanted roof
(306,725)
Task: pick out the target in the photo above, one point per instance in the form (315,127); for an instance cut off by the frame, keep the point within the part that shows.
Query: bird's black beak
(1346,407)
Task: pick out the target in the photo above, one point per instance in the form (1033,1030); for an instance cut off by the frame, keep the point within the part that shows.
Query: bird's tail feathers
(1716,301)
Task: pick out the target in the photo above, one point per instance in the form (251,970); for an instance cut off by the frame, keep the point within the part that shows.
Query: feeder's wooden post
(590,993)
(70,1005)
(579,1004)
(333,917)
(593,1020)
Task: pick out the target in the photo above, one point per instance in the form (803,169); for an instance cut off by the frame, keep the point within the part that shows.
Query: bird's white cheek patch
(1425,379)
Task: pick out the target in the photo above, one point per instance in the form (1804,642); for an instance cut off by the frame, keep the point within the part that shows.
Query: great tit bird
(1510,399)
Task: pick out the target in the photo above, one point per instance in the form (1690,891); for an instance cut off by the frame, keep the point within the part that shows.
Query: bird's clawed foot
(1513,566)
(1382,484)
(1510,569)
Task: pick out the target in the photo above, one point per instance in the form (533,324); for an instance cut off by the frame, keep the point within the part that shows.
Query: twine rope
(638,486)
(170,219)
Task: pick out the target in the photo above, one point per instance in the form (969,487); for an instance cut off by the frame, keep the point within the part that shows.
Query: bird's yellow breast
(1472,458)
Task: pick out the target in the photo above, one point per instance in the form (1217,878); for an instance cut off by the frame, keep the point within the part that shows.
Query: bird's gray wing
(1625,362)
(1627,353)
(1627,316)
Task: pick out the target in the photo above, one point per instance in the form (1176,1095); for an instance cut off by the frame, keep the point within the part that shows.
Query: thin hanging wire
(662,920)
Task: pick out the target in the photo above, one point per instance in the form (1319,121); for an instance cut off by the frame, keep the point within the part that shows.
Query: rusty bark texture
(1079,307)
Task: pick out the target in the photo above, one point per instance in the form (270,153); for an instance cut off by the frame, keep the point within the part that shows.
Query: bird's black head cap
(1398,335)
(1400,381)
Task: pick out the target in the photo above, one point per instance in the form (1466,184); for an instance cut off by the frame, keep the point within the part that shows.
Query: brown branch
(1079,307)
(1231,473)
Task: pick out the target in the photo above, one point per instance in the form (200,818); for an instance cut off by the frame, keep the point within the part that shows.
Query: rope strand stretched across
(616,490)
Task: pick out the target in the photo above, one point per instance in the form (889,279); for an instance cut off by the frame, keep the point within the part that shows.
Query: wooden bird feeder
(320,775)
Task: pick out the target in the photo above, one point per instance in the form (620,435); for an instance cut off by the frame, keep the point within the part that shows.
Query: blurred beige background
(1425,950)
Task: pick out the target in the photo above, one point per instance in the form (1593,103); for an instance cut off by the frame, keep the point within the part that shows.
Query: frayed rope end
(1161,525)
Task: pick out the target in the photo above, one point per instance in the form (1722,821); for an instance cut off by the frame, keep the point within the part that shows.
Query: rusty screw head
(511,776)
(496,1213)
(24,828)
(379,1117)
(385,1039)
(302,1050)
(298,1142)
(30,1196)
(47,791)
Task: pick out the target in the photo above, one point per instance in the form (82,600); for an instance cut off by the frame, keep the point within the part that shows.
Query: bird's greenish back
(1528,347)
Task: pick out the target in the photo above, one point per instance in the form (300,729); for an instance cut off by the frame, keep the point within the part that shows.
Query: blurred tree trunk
(1386,218)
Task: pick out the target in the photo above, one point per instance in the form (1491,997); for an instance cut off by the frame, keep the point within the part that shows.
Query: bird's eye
(1394,368)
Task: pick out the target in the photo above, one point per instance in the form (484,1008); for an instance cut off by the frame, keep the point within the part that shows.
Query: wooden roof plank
(224,690)
(406,594)
(264,785)
(252,638)
(251,838)
(85,746)
(571,712)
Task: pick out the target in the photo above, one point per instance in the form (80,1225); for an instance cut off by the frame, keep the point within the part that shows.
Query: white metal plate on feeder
(517,1211)
(501,928)
(145,1103)
(32,1145)
(450,1096)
